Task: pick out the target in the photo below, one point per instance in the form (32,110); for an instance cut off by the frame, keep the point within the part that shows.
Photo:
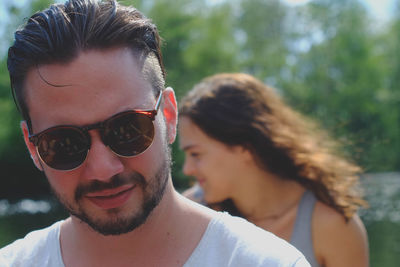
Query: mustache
(114,182)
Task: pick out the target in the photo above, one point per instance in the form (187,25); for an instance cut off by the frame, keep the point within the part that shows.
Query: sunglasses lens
(63,148)
(129,134)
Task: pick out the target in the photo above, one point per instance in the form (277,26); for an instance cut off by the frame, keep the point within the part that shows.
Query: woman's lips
(200,181)
(111,198)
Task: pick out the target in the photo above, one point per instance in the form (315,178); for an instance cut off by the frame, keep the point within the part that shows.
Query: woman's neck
(264,196)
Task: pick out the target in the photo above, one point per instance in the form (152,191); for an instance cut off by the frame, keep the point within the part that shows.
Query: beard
(116,224)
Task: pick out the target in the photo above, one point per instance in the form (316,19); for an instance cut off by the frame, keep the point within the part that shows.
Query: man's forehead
(120,64)
(106,81)
(85,61)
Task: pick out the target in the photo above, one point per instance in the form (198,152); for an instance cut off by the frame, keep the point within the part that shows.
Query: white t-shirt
(228,241)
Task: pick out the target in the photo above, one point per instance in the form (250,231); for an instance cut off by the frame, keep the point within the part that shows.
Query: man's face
(112,194)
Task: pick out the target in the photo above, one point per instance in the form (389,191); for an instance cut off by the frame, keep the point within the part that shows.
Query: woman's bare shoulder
(337,241)
(194,193)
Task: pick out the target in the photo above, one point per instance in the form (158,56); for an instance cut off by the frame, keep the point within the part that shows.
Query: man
(88,79)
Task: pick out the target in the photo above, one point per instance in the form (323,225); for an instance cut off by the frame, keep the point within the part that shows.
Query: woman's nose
(188,167)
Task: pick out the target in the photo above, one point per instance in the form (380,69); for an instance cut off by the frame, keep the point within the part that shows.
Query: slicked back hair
(58,34)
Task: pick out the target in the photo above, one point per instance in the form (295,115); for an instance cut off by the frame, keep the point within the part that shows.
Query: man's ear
(30,146)
(170,110)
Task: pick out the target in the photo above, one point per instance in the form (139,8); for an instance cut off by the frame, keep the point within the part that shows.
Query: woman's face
(219,169)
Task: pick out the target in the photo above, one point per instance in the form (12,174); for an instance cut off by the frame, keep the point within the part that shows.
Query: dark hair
(238,109)
(59,33)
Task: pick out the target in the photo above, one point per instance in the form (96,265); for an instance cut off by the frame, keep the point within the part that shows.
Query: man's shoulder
(35,245)
(246,233)
(235,240)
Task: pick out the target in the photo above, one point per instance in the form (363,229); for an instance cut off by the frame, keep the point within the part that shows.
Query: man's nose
(101,163)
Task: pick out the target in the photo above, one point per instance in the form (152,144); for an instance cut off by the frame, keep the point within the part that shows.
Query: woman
(255,157)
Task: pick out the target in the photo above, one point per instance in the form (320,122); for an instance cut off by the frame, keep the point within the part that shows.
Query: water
(383,195)
(382,218)
(24,206)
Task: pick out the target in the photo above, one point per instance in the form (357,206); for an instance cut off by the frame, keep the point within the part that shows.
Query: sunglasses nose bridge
(96,126)
(101,163)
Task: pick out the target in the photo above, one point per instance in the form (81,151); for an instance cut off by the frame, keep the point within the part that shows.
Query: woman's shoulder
(195,193)
(327,218)
(337,240)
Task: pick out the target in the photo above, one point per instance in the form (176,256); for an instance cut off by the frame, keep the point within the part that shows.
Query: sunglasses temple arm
(158,103)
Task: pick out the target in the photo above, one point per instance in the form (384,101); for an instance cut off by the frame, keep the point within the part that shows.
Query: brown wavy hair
(238,109)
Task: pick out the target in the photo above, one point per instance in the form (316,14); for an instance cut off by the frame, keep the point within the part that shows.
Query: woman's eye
(193,154)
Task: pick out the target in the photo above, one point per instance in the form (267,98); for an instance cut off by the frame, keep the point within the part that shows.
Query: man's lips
(111,198)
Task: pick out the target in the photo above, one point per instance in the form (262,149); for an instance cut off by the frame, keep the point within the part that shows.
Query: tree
(263,31)
(20,177)
(388,46)
(339,79)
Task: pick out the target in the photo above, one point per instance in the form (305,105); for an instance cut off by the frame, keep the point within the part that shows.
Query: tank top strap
(302,233)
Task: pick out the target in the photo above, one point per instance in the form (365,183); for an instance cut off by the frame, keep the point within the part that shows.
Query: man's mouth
(111,198)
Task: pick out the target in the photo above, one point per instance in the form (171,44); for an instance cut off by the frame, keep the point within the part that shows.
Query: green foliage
(323,57)
(384,243)
(265,38)
(198,42)
(340,82)
(19,176)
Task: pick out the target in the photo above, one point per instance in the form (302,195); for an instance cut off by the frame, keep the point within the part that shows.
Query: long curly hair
(238,109)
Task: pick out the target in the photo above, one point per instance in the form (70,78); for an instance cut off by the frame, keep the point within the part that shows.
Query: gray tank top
(301,235)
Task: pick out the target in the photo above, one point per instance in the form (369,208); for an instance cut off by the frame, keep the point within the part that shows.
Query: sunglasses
(127,134)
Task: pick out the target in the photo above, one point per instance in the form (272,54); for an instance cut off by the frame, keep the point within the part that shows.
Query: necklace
(274,217)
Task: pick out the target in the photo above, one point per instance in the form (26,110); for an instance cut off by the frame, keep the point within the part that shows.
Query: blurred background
(337,61)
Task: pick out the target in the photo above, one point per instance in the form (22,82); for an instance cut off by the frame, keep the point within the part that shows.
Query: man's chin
(115,227)
(119,221)
(111,222)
